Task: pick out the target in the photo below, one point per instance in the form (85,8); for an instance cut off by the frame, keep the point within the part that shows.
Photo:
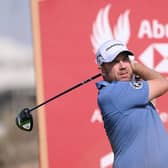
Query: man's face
(120,69)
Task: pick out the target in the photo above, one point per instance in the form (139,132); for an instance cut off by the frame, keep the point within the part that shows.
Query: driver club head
(24,120)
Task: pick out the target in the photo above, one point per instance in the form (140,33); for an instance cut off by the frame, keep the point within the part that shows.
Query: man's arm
(158,85)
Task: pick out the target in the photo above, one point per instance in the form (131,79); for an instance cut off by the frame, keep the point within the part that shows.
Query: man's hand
(132,61)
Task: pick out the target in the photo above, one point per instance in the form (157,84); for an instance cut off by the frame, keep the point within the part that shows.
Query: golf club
(24,119)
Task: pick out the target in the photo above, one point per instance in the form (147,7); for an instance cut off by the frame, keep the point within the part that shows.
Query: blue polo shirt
(132,124)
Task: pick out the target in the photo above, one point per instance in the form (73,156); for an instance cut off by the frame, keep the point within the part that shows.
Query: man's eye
(116,61)
(126,59)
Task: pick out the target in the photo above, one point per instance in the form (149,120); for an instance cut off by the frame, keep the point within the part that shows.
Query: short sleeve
(130,94)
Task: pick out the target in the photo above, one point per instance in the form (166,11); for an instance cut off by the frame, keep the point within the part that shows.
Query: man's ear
(103,73)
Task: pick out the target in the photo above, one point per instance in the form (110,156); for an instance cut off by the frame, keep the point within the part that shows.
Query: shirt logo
(136,84)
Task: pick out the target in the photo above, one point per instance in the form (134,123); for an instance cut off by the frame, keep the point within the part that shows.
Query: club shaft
(66,91)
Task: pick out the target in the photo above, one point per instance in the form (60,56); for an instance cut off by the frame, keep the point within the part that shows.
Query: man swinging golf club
(132,124)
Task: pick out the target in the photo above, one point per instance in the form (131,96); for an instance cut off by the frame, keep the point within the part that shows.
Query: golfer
(137,135)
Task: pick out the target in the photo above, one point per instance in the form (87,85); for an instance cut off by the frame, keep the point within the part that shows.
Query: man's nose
(122,64)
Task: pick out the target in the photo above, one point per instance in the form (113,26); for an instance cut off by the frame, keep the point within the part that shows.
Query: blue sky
(15,20)
(16,51)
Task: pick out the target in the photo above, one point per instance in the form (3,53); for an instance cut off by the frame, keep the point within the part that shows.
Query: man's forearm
(144,72)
